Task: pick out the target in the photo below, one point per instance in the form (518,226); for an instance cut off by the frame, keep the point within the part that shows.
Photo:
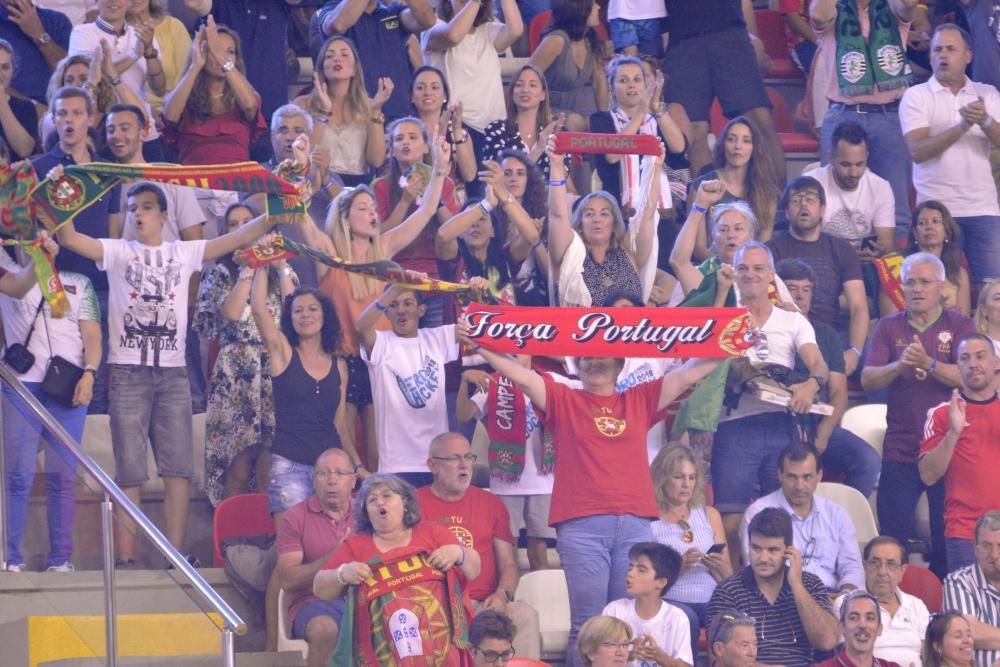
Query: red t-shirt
(601,461)
(474,520)
(970,483)
(307,529)
(421,254)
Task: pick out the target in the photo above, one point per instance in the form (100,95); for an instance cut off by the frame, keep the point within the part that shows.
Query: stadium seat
(868,423)
(285,641)
(924,584)
(771,29)
(245,514)
(792,141)
(546,592)
(857,508)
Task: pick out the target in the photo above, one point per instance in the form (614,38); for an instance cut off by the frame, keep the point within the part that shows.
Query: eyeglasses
(617,645)
(493,657)
(688,535)
(986,547)
(877,564)
(760,344)
(455,458)
(775,640)
(798,200)
(810,550)
(323,475)
(923,282)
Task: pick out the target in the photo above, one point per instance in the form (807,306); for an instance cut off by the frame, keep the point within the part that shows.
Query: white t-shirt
(786,333)
(854,215)
(148,300)
(670,629)
(183,211)
(75,10)
(636,10)
(85,38)
(472,69)
(407,378)
(960,177)
(63,334)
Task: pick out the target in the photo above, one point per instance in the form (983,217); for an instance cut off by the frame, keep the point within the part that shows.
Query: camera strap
(31,329)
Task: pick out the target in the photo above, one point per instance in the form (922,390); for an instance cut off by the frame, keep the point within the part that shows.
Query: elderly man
(480,521)
(913,355)
(792,605)
(309,534)
(960,445)
(751,436)
(949,127)
(861,626)
(823,530)
(904,616)
(975,590)
(732,641)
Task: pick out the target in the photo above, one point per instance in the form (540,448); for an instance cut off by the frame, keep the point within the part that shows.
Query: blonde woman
(348,128)
(352,233)
(604,641)
(988,312)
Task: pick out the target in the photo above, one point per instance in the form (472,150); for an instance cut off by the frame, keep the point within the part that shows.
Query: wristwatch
(820,380)
(91,370)
(43,39)
(152,54)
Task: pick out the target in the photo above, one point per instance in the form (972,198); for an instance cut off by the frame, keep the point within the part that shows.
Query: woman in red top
(602,497)
(213,115)
(406,576)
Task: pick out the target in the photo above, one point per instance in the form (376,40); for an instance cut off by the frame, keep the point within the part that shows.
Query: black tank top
(304,411)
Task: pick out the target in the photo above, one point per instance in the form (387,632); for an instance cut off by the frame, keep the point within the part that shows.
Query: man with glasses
(913,355)
(480,521)
(308,535)
(904,616)
(732,641)
(833,261)
(861,626)
(491,634)
(822,529)
(960,446)
(791,607)
(974,590)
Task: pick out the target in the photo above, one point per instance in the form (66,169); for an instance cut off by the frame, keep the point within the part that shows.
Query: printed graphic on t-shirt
(150,321)
(640,375)
(420,387)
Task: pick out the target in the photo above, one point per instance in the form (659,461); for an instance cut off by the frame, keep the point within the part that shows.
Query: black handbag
(17,355)
(61,377)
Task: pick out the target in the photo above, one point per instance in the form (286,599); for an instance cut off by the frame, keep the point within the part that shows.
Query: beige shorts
(534,511)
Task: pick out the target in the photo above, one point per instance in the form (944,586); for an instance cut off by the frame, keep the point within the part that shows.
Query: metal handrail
(231,619)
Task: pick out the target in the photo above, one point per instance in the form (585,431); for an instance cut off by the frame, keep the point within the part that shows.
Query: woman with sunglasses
(690,527)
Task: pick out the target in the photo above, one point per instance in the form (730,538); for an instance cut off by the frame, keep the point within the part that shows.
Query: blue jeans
(899,490)
(594,555)
(960,553)
(848,454)
(745,454)
(887,154)
(20,450)
(981,243)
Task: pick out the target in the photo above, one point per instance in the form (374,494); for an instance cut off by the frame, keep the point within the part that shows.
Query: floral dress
(240,408)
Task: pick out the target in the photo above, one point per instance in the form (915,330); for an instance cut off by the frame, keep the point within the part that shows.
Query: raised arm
(176,100)
(403,235)
(17,284)
(934,464)
(343,17)
(316,239)
(418,16)
(822,13)
(709,192)
(443,36)
(246,96)
(820,625)
(375,142)
(446,243)
(560,226)
(199,7)
(678,381)
(513,26)
(242,237)
(371,315)
(527,380)
(465,155)
(275,342)
(234,303)
(648,214)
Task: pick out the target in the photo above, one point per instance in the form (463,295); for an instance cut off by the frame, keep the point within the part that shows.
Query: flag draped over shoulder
(889,269)
(408,614)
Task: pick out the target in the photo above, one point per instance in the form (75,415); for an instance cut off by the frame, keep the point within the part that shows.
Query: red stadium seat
(791,140)
(771,26)
(924,584)
(245,514)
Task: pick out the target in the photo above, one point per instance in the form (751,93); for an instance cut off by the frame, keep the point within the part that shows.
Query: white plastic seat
(547,593)
(285,641)
(857,508)
(868,423)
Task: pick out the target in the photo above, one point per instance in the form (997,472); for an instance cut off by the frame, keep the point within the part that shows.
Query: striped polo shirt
(781,637)
(967,591)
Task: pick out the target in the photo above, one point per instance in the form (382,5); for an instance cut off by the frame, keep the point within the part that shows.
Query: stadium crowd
(680,498)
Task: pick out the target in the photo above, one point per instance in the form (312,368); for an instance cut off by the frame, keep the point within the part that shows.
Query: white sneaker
(65,567)
(15,567)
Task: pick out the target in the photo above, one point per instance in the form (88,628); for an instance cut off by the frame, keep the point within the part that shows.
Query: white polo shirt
(902,634)
(960,177)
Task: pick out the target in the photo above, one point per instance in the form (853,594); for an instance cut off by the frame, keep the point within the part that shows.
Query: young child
(662,631)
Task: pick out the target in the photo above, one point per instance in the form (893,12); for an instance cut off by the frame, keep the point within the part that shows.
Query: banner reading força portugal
(610,332)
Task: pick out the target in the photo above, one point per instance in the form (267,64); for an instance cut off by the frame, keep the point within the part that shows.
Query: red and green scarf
(889,269)
(507,428)
(398,621)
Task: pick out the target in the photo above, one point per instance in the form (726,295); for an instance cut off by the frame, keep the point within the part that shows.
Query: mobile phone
(717,548)
(869,242)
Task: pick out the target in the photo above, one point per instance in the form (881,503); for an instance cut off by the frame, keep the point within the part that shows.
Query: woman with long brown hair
(213,115)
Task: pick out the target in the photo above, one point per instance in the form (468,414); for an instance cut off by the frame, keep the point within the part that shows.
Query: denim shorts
(333,608)
(745,458)
(645,34)
(144,401)
(289,485)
